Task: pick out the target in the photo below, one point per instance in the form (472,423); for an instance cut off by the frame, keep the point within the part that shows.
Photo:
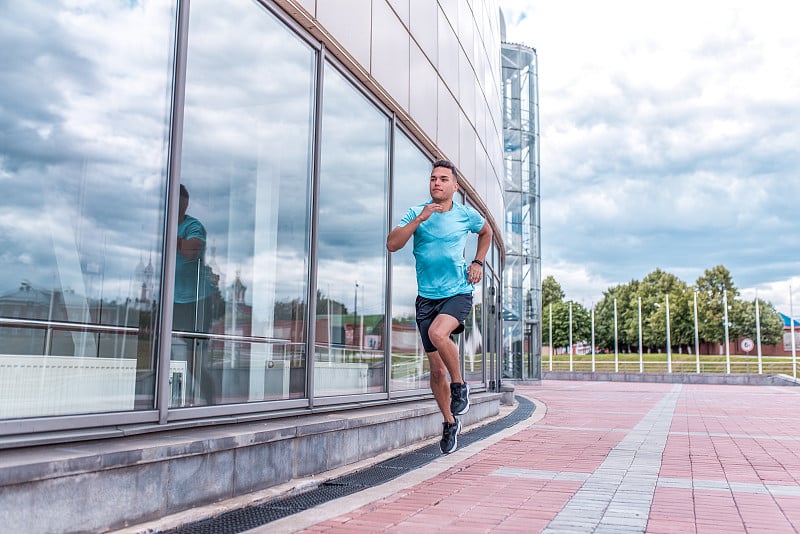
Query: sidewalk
(601,457)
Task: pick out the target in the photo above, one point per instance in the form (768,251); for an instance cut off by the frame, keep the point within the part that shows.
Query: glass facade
(84,128)
(281,172)
(351,241)
(410,187)
(240,296)
(521,301)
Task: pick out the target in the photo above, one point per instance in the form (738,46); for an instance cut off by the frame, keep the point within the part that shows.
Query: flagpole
(669,341)
(570,336)
(593,358)
(758,336)
(641,355)
(551,336)
(727,344)
(616,344)
(791,323)
(696,334)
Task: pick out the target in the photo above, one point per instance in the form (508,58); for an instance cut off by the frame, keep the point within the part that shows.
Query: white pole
(727,344)
(361,325)
(641,356)
(551,336)
(570,336)
(791,323)
(593,358)
(616,345)
(669,342)
(330,327)
(355,316)
(758,336)
(696,334)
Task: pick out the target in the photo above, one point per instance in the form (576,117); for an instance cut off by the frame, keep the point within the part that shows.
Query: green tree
(743,321)
(581,324)
(654,289)
(551,292)
(627,317)
(710,312)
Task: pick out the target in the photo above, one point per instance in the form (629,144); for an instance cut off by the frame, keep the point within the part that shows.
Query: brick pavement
(602,457)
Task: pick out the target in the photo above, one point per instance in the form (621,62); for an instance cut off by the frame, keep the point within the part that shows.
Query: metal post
(593,358)
(551,336)
(696,335)
(355,316)
(361,323)
(616,344)
(727,343)
(669,341)
(641,355)
(791,329)
(758,336)
(570,336)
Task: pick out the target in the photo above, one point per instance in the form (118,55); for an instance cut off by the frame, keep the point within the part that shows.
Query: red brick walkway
(605,457)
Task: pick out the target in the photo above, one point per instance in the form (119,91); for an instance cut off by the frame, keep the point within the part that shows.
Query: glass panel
(241,276)
(85,118)
(411,187)
(490,341)
(352,242)
(472,351)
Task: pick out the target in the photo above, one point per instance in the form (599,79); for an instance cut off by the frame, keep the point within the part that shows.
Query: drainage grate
(243,519)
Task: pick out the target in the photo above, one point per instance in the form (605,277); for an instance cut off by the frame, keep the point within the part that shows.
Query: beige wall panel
(466,87)
(425,27)
(390,61)
(480,116)
(466,28)
(480,162)
(447,124)
(448,54)
(402,8)
(424,83)
(349,23)
(450,9)
(466,143)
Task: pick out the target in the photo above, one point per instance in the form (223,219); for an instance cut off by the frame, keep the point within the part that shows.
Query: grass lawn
(681,363)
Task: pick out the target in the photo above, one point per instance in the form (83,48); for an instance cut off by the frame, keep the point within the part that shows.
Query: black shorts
(457,306)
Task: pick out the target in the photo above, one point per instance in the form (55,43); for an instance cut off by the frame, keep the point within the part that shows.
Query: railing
(76,328)
(629,363)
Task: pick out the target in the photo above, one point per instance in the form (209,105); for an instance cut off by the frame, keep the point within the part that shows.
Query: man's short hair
(184,191)
(447,165)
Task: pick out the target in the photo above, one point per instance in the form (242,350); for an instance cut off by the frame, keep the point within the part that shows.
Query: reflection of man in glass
(444,286)
(193,289)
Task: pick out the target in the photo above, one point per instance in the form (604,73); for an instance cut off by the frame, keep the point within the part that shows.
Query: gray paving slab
(622,470)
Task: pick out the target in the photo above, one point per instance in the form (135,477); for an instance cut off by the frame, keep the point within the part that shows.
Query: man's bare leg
(439,385)
(439,334)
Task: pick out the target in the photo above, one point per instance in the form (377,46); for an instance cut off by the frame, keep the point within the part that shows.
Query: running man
(444,286)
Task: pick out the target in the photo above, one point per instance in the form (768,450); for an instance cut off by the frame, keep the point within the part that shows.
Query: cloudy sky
(670,138)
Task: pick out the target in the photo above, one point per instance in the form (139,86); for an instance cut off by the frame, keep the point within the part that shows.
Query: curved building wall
(197,204)
(436,64)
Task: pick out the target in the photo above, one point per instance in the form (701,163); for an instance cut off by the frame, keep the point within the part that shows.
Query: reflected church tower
(144,282)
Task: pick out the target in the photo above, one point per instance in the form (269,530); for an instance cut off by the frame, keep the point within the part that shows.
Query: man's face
(443,184)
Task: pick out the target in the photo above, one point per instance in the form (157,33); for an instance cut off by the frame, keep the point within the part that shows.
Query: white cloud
(668,139)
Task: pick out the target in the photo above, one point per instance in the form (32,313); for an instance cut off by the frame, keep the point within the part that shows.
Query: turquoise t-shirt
(439,250)
(192,282)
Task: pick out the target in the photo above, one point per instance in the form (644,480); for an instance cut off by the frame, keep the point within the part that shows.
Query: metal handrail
(99,328)
(232,337)
(64,325)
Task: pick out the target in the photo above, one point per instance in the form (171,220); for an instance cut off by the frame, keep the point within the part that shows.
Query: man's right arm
(400,235)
